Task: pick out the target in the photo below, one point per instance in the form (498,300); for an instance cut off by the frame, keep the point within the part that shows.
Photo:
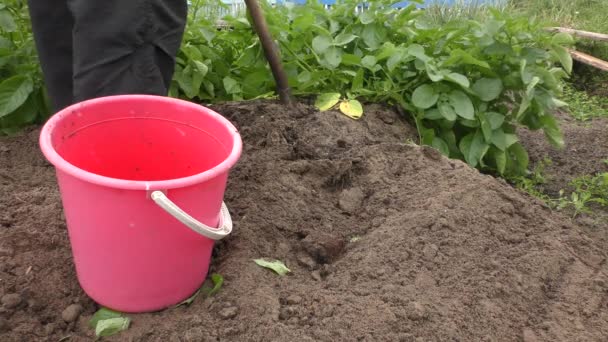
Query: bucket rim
(63,165)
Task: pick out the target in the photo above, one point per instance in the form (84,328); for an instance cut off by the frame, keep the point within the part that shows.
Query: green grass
(583,106)
(587,15)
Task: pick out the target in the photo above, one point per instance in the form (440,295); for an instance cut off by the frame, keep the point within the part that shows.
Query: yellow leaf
(352,108)
(326,101)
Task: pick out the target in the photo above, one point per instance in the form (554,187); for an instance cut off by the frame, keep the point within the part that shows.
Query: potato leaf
(462,104)
(326,101)
(488,89)
(424,96)
(275,265)
(112,326)
(14,92)
(352,109)
(103,314)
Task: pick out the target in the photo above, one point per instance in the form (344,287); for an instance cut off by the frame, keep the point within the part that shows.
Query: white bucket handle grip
(225,226)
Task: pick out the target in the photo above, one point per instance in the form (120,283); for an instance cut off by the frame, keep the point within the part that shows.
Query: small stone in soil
(71,313)
(416,312)
(229,313)
(293,299)
(430,251)
(306,261)
(49,329)
(4,325)
(11,300)
(351,200)
(529,336)
(316,275)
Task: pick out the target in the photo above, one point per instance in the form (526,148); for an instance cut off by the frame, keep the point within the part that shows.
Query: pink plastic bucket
(142,181)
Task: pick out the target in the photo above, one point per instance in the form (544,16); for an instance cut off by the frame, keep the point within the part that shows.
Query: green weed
(588,191)
(532,183)
(583,106)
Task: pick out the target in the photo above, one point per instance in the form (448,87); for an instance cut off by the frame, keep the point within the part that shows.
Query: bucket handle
(225,226)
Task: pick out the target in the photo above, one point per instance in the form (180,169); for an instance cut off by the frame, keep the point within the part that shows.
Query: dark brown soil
(387,241)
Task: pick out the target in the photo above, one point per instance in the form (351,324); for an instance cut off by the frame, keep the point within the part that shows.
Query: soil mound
(386,241)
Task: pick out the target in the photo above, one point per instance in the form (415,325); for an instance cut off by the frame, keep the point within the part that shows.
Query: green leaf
(433,72)
(503,140)
(207,33)
(275,265)
(564,58)
(7,23)
(327,101)
(432,114)
(492,26)
(441,145)
(462,57)
(344,38)
(218,281)
(231,85)
(103,314)
(26,114)
(373,35)
(462,104)
(495,119)
(350,59)
(562,38)
(457,78)
(486,128)
(333,57)
(304,21)
(424,96)
(368,61)
(500,158)
(14,92)
(358,81)
(111,326)
(321,43)
(552,131)
(366,17)
(473,148)
(418,52)
(488,89)
(394,60)
(202,68)
(304,76)
(520,157)
(428,134)
(351,108)
(447,111)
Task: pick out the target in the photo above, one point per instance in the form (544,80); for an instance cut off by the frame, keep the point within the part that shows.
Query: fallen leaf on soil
(217,281)
(108,322)
(103,314)
(275,265)
(112,326)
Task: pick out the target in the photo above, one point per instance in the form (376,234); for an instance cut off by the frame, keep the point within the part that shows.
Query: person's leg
(125,47)
(52,27)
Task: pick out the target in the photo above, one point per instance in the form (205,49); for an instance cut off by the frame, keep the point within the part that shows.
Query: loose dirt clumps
(386,241)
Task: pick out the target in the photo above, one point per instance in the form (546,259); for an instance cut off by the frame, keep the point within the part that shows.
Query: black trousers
(93,48)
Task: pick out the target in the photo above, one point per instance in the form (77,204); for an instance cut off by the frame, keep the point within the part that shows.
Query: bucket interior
(142,140)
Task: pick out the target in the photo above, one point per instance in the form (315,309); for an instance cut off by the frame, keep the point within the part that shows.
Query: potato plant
(468,85)
(22,97)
